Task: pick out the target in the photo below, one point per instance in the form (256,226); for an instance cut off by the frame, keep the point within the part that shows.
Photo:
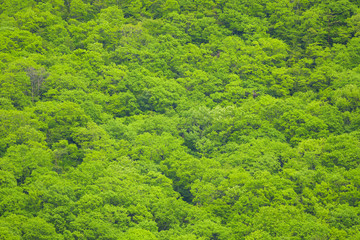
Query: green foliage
(178,119)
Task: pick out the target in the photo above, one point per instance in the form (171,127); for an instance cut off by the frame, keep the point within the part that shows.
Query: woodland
(179,119)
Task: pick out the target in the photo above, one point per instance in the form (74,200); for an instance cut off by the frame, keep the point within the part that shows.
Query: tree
(37,77)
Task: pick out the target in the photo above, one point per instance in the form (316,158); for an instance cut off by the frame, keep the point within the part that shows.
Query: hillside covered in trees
(179,119)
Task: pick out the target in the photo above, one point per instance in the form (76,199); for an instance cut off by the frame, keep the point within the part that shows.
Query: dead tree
(255,94)
(37,78)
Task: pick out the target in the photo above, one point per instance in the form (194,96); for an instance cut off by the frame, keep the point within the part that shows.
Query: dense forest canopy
(179,119)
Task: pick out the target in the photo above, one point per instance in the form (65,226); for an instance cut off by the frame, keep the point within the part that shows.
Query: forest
(179,119)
